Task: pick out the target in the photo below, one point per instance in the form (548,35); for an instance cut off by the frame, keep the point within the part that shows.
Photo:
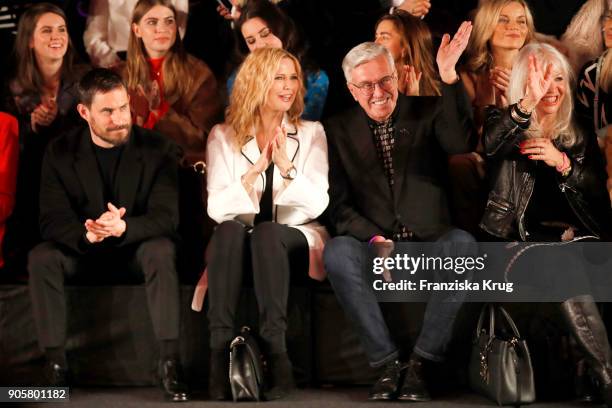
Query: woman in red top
(175,94)
(171,91)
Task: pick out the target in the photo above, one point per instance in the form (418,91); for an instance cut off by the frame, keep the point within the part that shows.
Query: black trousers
(276,254)
(153,261)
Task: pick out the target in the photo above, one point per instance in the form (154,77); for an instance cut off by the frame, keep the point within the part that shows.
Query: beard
(116,136)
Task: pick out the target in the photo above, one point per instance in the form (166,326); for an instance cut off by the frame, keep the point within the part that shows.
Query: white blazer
(297,203)
(109,25)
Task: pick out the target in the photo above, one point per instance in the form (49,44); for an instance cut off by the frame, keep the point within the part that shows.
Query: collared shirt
(384,140)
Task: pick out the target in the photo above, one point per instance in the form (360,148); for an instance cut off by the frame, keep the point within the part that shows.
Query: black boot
(281,376)
(414,388)
(218,376)
(387,385)
(173,384)
(584,321)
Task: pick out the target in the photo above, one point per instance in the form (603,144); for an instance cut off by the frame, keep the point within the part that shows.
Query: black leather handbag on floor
(246,372)
(500,365)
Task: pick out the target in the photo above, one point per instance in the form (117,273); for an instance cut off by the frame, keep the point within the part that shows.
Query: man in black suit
(108,211)
(387,175)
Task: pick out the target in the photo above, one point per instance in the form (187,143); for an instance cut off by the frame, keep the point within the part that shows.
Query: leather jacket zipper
(522,231)
(564,186)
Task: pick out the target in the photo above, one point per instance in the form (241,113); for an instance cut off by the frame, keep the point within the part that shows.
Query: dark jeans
(153,260)
(273,252)
(344,259)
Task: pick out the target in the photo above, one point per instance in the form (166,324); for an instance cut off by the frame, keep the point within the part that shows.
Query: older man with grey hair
(387,171)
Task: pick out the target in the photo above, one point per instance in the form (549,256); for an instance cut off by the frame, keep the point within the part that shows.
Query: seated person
(386,174)
(42,96)
(267,184)
(109,209)
(108,29)
(9,155)
(550,186)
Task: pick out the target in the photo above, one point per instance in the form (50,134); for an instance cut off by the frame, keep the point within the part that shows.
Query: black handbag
(500,365)
(246,372)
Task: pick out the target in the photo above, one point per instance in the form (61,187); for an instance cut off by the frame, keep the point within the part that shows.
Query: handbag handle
(491,308)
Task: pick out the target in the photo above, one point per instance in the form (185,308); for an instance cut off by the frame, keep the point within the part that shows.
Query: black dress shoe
(171,375)
(414,388)
(281,377)
(56,375)
(387,385)
(218,376)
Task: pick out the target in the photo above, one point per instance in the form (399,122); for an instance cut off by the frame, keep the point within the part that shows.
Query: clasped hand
(44,114)
(109,224)
(275,152)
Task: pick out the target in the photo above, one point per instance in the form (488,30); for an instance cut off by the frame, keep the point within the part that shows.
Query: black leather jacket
(512,179)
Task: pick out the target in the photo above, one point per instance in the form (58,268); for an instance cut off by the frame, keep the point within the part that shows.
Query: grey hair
(363,53)
(545,54)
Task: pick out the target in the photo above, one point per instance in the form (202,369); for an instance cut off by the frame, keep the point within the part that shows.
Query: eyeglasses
(385,83)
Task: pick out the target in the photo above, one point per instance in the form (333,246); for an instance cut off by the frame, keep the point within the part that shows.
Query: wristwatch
(291,173)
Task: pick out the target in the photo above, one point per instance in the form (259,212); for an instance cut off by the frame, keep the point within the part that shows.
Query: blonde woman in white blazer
(267,184)
(109,25)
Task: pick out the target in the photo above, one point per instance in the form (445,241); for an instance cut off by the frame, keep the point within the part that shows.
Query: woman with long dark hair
(43,96)
(409,40)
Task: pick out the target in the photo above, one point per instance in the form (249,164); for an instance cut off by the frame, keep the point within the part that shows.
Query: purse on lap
(500,366)
(246,372)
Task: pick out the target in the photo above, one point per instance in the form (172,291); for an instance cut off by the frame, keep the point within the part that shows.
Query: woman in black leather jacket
(549,183)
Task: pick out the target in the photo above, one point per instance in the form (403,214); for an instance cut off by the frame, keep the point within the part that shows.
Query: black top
(71,189)
(427,129)
(548,207)
(265,205)
(108,161)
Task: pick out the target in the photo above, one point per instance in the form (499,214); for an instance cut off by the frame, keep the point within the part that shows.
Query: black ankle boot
(218,376)
(281,376)
(584,321)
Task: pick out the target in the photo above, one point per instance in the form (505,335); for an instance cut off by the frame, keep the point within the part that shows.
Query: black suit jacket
(71,188)
(427,129)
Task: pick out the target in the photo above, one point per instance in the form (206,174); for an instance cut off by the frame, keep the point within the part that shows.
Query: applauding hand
(450,51)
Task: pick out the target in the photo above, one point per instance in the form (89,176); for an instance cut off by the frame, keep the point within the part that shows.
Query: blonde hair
(175,69)
(479,55)
(545,54)
(605,79)
(250,92)
(582,37)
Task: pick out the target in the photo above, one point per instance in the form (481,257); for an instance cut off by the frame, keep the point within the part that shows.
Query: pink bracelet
(564,165)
